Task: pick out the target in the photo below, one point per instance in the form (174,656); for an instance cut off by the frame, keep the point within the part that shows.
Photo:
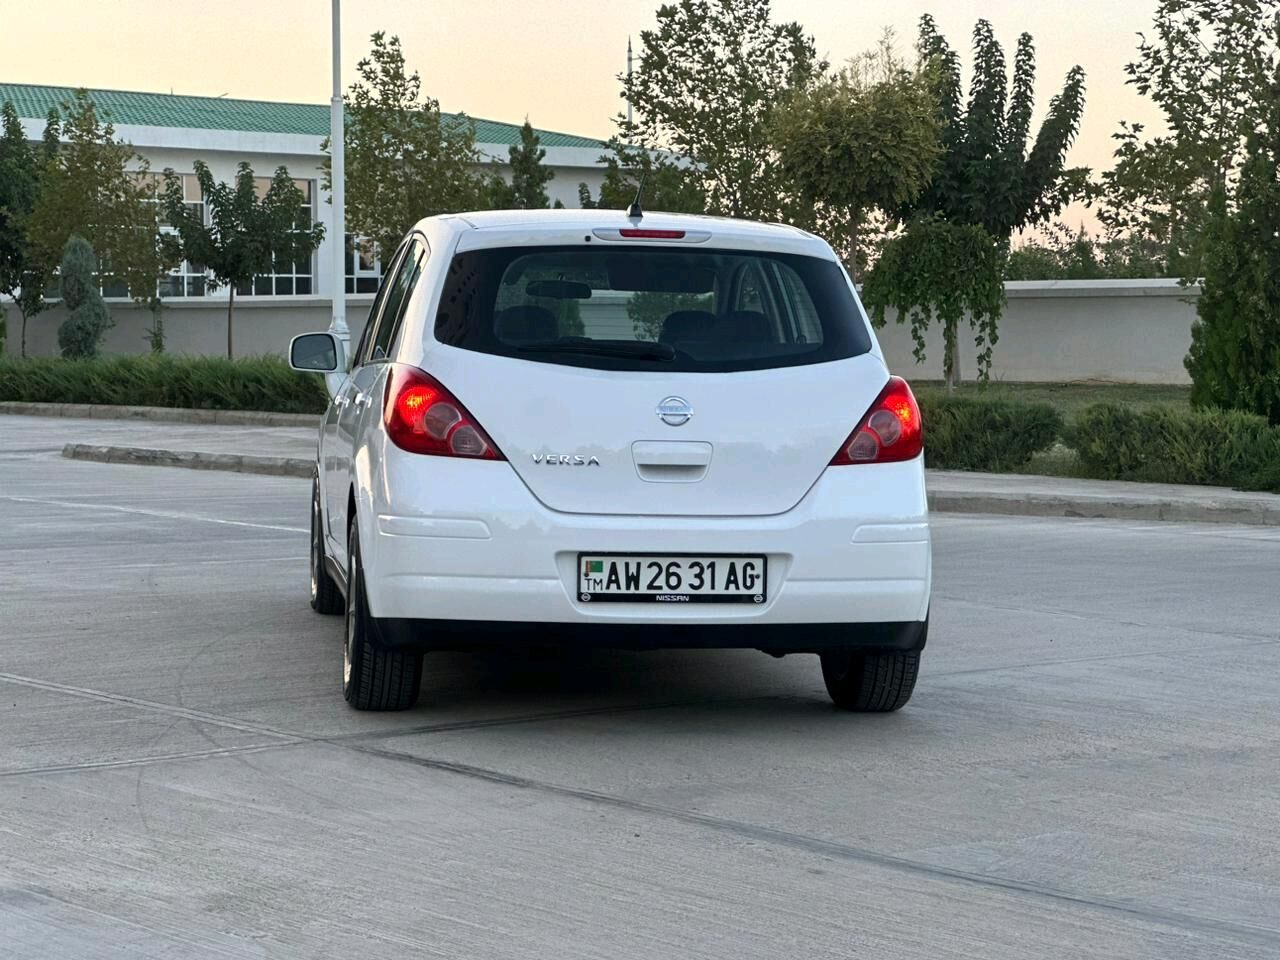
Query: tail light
(421,416)
(890,432)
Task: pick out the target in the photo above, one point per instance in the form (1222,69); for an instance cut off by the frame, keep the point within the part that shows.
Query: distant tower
(628,81)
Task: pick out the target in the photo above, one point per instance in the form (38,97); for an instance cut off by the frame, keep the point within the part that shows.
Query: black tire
(374,677)
(325,595)
(870,682)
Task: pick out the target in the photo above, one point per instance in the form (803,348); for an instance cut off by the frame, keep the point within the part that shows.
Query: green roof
(222,113)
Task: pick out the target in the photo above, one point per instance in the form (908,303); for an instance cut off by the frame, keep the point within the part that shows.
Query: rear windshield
(650,309)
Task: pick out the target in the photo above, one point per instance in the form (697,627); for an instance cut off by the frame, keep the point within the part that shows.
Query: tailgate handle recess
(679,461)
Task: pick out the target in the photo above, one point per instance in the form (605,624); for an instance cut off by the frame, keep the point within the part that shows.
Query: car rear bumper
(776,638)
(465,541)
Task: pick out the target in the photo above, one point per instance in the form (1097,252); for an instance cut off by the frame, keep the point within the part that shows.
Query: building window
(189,279)
(183,280)
(286,278)
(364,266)
(186,279)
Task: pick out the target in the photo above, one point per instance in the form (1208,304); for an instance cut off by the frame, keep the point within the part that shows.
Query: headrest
(686,325)
(750,326)
(526,323)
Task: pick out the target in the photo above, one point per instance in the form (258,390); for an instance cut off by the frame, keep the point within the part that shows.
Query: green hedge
(964,433)
(1169,445)
(1159,444)
(212,383)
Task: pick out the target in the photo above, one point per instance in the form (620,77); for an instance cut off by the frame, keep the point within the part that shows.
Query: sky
(553,61)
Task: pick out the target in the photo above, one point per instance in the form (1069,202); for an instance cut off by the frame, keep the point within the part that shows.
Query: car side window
(751,291)
(802,315)
(389,326)
(394,304)
(375,311)
(754,296)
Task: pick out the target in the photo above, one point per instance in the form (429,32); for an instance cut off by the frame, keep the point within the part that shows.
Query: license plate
(660,578)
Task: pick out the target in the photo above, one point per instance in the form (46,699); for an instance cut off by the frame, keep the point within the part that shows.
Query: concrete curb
(1103,507)
(94,411)
(1123,505)
(231,462)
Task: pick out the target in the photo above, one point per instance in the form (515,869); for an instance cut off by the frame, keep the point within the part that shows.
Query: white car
(592,427)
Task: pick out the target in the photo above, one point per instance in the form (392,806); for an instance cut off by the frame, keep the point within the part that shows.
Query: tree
(1235,345)
(990,174)
(247,231)
(988,183)
(22,277)
(669,184)
(706,81)
(404,160)
(1061,253)
(150,254)
(1208,67)
(943,271)
(87,316)
(862,140)
(96,187)
(1035,261)
(529,178)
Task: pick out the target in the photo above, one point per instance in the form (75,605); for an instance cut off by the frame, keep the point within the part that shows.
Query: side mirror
(315,353)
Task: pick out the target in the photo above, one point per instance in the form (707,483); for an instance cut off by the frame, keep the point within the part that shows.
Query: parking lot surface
(1089,767)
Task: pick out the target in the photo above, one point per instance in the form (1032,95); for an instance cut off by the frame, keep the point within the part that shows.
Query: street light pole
(628,83)
(338,240)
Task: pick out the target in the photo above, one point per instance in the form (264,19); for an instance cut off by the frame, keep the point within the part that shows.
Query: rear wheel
(325,595)
(374,677)
(870,682)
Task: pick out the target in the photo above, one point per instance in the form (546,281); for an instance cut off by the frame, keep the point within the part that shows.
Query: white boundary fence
(1130,331)
(1123,330)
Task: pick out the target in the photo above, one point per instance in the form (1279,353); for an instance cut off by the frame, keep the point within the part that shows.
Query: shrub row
(1113,442)
(966,433)
(1159,444)
(1168,445)
(211,383)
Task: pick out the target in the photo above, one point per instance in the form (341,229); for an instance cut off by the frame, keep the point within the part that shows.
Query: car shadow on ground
(560,677)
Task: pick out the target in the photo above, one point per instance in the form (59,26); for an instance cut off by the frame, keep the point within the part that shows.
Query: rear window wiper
(631,349)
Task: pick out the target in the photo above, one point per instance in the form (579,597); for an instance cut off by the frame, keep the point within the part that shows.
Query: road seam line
(149,760)
(739,828)
(830,848)
(163,514)
(197,716)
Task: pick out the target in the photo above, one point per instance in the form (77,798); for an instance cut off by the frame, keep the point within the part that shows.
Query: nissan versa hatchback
(584,427)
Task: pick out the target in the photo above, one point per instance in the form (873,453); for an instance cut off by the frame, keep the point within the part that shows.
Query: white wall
(1130,331)
(564,184)
(260,325)
(1123,330)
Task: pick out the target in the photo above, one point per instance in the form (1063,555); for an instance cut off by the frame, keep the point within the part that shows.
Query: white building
(1126,330)
(172,131)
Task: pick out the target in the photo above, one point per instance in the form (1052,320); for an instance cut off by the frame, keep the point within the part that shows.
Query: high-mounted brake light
(890,432)
(637,234)
(616,234)
(421,416)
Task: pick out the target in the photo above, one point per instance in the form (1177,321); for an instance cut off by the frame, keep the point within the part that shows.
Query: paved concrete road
(23,436)
(1089,768)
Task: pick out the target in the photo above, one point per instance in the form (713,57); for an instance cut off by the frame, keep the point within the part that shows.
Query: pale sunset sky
(552,60)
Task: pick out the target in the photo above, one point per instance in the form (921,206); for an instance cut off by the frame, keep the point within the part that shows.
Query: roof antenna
(634,212)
